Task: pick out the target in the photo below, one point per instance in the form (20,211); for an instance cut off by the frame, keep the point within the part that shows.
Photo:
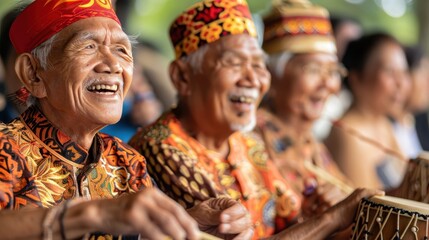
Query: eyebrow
(83,36)
(260,55)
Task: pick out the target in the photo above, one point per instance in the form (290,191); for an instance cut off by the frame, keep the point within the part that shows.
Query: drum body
(416,180)
(391,218)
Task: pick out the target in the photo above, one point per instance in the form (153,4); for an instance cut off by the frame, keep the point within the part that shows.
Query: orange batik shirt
(289,159)
(41,166)
(189,173)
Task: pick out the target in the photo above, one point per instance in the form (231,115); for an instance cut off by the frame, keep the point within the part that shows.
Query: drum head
(401,203)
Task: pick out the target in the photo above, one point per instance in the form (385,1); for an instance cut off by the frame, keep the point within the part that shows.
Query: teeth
(242,99)
(103,87)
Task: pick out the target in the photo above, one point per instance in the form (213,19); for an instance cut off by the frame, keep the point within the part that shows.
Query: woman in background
(363,141)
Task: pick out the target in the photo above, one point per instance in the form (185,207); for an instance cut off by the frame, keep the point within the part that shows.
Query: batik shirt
(190,173)
(280,146)
(41,166)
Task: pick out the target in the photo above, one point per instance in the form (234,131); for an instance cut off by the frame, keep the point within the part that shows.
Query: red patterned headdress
(208,21)
(44,18)
(298,26)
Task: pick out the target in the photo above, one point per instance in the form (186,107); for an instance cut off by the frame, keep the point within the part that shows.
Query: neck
(298,127)
(367,112)
(79,132)
(213,140)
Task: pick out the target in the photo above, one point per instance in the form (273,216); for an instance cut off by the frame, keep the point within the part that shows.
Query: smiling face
(89,73)
(307,82)
(384,80)
(224,95)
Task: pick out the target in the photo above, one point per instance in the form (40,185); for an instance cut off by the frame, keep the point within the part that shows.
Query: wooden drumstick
(322,174)
(206,236)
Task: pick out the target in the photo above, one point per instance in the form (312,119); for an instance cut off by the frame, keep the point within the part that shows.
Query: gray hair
(196,58)
(41,52)
(276,63)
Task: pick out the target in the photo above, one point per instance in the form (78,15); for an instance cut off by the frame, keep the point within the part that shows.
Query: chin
(248,127)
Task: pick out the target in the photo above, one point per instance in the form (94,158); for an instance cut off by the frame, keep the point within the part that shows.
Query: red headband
(44,18)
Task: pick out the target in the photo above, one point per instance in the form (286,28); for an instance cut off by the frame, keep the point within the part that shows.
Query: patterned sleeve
(15,177)
(176,174)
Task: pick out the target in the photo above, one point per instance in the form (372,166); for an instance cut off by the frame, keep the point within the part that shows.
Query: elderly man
(305,73)
(76,65)
(198,150)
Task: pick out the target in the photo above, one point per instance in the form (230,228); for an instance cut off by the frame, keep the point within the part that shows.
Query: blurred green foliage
(150,19)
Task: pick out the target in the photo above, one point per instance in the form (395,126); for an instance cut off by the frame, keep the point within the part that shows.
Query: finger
(234,212)
(168,224)
(188,224)
(148,230)
(332,196)
(237,226)
(247,234)
(365,193)
(324,188)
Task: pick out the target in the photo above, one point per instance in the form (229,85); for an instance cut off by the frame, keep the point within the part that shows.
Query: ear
(179,74)
(26,69)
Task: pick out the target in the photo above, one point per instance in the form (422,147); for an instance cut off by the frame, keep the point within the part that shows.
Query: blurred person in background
(10,83)
(363,142)
(417,103)
(305,72)
(345,29)
(416,109)
(151,91)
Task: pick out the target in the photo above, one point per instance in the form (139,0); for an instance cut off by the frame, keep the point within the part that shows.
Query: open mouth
(103,88)
(242,99)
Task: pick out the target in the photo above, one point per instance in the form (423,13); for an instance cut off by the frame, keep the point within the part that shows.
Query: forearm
(314,228)
(28,223)
(24,224)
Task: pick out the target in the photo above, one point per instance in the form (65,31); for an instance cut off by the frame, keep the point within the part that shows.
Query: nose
(332,83)
(109,63)
(250,77)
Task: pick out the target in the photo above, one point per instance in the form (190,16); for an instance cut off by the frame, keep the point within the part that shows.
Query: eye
(259,65)
(121,49)
(234,61)
(90,46)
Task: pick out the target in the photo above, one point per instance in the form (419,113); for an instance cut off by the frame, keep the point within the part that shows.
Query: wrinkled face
(385,80)
(308,80)
(225,94)
(90,72)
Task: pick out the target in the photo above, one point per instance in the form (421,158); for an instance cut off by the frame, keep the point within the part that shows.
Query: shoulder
(342,133)
(256,150)
(114,148)
(156,132)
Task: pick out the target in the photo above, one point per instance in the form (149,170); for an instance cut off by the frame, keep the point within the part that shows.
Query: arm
(189,186)
(335,219)
(149,213)
(354,157)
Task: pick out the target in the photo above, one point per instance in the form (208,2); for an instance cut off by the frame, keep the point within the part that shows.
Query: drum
(391,218)
(415,184)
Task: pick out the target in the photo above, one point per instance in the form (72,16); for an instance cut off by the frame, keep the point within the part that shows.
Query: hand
(149,213)
(223,217)
(343,213)
(320,197)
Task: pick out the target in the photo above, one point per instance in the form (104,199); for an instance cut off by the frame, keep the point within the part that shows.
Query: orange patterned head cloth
(44,18)
(298,26)
(208,21)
